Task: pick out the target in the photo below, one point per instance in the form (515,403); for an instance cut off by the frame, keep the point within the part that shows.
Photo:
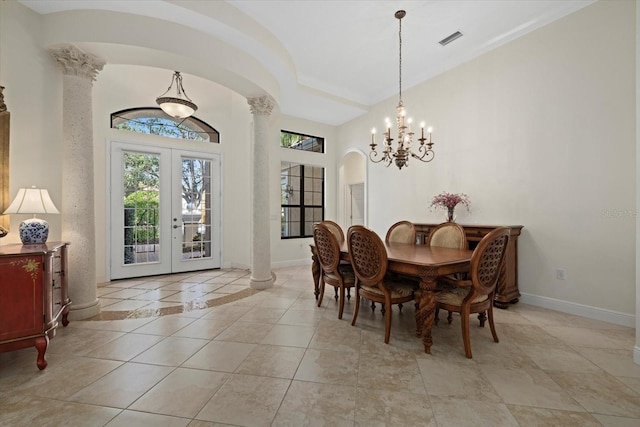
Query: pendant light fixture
(179,106)
(401,154)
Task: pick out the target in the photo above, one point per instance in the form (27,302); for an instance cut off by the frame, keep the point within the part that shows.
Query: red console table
(33,295)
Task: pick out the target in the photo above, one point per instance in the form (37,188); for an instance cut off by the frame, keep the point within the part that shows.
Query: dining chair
(335,229)
(369,260)
(476,294)
(448,235)
(332,272)
(401,232)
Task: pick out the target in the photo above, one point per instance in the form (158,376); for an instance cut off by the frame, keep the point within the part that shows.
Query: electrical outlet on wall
(561,274)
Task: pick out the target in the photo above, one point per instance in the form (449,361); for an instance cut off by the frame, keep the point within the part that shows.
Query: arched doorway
(353,187)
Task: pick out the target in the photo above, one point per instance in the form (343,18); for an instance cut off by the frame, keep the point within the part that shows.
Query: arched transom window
(154,121)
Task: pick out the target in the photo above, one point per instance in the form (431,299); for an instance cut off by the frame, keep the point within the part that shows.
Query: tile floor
(274,358)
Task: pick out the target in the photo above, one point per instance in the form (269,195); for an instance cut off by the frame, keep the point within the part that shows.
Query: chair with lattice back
(369,260)
(335,229)
(332,272)
(476,294)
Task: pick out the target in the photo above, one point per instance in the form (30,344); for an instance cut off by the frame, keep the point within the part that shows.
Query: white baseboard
(610,316)
(237,265)
(291,263)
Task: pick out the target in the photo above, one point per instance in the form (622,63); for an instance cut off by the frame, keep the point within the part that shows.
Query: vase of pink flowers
(449,201)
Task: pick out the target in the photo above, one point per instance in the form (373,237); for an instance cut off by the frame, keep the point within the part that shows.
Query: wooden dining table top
(419,255)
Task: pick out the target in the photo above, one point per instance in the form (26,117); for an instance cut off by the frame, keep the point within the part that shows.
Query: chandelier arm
(173,78)
(427,154)
(374,154)
(181,88)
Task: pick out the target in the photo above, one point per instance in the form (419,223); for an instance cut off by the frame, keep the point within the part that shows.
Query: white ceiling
(337,58)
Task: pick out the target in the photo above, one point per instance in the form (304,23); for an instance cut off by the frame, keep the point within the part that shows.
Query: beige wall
(539,132)
(33,96)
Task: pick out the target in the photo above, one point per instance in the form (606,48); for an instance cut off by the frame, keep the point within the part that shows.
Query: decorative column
(261,276)
(77,209)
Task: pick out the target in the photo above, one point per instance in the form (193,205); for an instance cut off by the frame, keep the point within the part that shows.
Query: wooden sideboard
(507,288)
(33,295)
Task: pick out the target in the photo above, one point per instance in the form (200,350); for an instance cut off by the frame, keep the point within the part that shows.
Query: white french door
(165,210)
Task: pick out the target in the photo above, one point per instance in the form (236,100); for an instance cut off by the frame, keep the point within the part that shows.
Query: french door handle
(175,225)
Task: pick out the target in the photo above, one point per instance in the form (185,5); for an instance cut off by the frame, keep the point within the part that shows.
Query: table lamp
(32,201)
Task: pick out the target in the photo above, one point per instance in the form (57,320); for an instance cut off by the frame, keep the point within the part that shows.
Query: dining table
(424,263)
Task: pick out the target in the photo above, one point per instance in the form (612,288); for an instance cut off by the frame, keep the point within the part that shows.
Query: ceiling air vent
(445,41)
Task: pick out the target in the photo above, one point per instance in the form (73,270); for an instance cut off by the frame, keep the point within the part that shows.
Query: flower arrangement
(449,202)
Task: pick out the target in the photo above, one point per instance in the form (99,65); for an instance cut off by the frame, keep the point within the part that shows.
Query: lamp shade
(32,201)
(179,106)
(176,107)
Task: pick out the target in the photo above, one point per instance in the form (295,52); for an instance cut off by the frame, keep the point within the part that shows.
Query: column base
(84,311)
(262,284)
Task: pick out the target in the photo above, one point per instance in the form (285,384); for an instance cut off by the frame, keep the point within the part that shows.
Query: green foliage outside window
(141,217)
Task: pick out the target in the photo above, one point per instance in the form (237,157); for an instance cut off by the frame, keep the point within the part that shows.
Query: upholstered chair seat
(455,296)
(397,289)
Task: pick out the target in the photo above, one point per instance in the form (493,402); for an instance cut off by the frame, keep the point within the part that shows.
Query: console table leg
(41,346)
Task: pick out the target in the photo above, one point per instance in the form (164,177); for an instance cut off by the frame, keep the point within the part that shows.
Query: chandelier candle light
(405,131)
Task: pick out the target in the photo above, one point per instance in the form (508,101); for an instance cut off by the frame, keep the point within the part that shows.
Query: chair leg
(464,316)
(336,291)
(321,291)
(383,310)
(348,294)
(492,325)
(387,322)
(450,317)
(373,306)
(482,317)
(341,304)
(355,309)
(400,306)
(436,318)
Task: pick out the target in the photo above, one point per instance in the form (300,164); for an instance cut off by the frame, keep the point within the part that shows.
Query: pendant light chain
(400,59)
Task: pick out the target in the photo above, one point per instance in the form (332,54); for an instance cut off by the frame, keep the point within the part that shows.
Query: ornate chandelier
(179,106)
(400,155)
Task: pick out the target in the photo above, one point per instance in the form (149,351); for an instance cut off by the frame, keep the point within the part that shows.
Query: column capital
(3,106)
(261,105)
(75,62)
